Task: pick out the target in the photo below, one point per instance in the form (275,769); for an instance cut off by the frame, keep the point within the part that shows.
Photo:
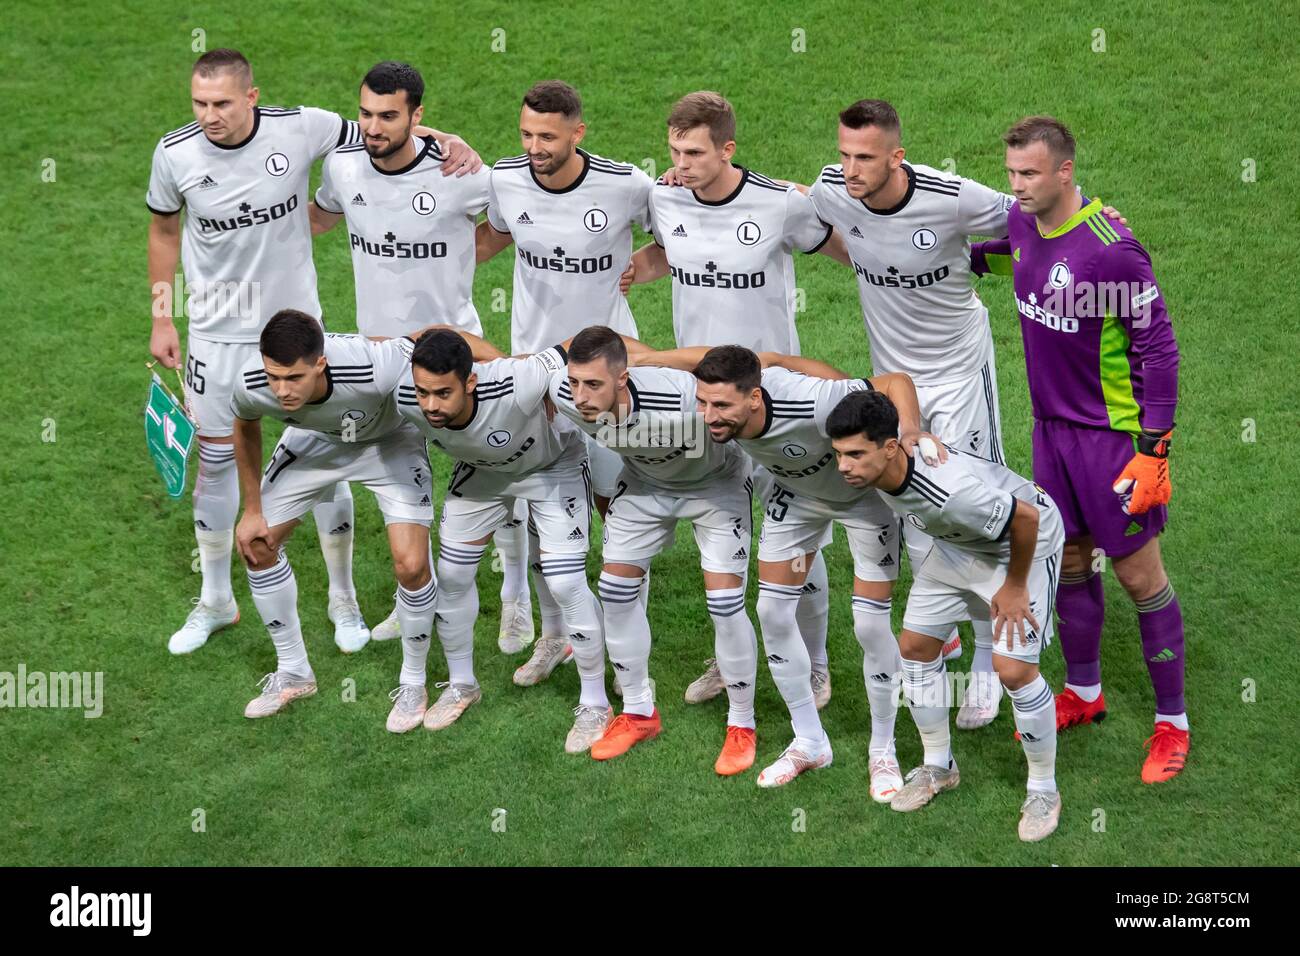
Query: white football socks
(787,655)
(736,648)
(566,577)
(415,611)
(216,506)
(814,612)
(925,685)
(627,639)
(881,667)
(334,529)
(275,593)
(458,607)
(1034,708)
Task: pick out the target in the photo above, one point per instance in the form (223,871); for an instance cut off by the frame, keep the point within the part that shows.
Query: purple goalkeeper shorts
(1078,466)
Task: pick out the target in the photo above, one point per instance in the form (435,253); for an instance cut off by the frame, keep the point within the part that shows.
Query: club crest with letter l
(169,434)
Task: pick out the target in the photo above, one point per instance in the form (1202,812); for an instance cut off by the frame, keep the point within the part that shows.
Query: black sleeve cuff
(564,354)
(1006,528)
(162,212)
(825,239)
(332,212)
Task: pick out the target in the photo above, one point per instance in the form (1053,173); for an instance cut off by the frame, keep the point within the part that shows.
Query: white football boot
(278,690)
(516,630)
(589,725)
(203,621)
(979,707)
(800,756)
(454,701)
(409,704)
(389,629)
(708,685)
(886,777)
(922,784)
(549,654)
(1039,815)
(350,631)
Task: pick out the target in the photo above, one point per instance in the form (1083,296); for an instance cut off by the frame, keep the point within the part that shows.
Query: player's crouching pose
(776,411)
(491,418)
(671,473)
(336,393)
(996,555)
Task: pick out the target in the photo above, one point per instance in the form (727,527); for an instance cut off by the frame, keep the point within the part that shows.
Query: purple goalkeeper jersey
(1099,347)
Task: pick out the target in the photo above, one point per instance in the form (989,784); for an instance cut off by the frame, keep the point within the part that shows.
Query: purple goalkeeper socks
(1160,621)
(1081,606)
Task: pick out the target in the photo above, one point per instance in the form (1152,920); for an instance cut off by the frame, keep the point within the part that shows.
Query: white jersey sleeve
(164,196)
(982,211)
(392,360)
(242,405)
(976,507)
(535,375)
(804,230)
(642,214)
(327,197)
(495,217)
(326,130)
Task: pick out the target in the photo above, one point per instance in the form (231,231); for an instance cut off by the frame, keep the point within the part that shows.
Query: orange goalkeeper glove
(1147,474)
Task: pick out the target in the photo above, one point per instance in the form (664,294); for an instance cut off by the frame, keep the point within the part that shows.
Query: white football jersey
(966,503)
(508,438)
(412,237)
(246,240)
(358,405)
(913,269)
(793,444)
(731,261)
(571,246)
(663,439)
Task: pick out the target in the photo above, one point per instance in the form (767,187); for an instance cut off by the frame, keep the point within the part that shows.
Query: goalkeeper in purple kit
(1102,366)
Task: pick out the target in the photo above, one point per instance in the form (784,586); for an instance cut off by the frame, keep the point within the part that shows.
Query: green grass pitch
(1185,124)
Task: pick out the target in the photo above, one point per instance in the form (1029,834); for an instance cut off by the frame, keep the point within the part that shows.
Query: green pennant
(170,436)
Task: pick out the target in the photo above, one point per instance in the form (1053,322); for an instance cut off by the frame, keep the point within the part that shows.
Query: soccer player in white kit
(672,472)
(995,557)
(728,240)
(777,413)
(410,228)
(490,418)
(337,395)
(240,172)
(569,214)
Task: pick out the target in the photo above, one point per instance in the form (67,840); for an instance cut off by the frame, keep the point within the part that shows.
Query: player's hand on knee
(165,345)
(1010,610)
(253,539)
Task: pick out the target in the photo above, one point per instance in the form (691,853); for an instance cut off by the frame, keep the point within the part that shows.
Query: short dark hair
(291,336)
(390,76)
(598,341)
(866,113)
(216,61)
(731,365)
(554,96)
(864,413)
(1042,129)
(704,108)
(441,351)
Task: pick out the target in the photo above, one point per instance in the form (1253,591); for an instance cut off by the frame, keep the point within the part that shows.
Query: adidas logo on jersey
(679,231)
(575,535)
(358,200)
(740,553)
(207,182)
(523,220)
(855,231)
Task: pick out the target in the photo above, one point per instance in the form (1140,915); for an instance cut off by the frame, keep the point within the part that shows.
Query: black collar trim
(419,158)
(257,122)
(907,482)
(586,165)
(902,203)
(329,388)
(767,412)
(744,178)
